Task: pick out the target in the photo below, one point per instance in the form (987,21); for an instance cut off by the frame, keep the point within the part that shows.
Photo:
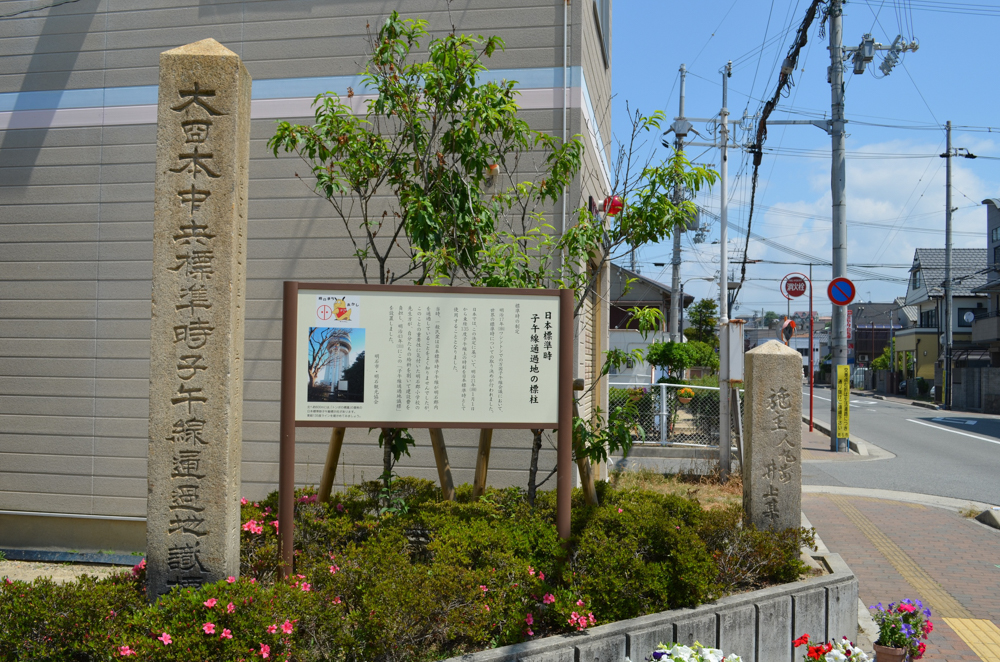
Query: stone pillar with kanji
(772,462)
(197,325)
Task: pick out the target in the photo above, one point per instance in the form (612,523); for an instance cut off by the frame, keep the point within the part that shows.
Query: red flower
(803,640)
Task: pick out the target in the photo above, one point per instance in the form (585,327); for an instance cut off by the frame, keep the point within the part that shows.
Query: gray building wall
(77,147)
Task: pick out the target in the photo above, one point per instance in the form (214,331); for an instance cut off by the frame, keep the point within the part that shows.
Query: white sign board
(381,357)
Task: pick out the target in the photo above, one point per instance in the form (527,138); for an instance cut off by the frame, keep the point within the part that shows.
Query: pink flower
(541,576)
(579,603)
(306,587)
(265,651)
(531,571)
(590,617)
(334,569)
(483,588)
(271,629)
(336,600)
(230,608)
(136,569)
(210,602)
(165,638)
(209,628)
(230,579)
(619,510)
(243,501)
(529,619)
(125,651)
(287,627)
(487,607)
(226,634)
(530,633)
(340,507)
(253,581)
(275,525)
(549,598)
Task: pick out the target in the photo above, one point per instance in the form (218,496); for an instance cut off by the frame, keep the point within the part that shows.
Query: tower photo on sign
(336,366)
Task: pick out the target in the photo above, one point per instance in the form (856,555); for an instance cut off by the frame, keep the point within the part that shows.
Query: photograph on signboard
(336,364)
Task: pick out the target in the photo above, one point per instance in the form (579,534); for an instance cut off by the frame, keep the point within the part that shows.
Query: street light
(681,326)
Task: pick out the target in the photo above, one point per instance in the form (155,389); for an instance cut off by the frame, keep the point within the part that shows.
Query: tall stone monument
(772,462)
(199,291)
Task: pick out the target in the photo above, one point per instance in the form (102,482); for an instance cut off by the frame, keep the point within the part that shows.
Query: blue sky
(901,198)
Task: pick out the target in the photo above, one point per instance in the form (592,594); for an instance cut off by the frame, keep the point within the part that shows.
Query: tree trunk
(536,447)
(388,438)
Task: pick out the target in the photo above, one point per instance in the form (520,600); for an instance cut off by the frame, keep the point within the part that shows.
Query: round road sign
(841,291)
(795,286)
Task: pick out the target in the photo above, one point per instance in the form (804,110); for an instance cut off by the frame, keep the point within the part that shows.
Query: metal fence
(669,420)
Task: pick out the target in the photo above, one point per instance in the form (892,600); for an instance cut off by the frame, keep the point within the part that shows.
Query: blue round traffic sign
(841,291)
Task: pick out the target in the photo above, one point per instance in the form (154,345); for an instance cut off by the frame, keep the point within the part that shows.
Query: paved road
(951,454)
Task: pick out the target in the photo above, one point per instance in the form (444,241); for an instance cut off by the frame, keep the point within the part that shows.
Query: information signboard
(426,357)
(404,356)
(843,401)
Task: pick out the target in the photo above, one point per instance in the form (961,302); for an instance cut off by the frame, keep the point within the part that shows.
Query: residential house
(77,149)
(872,325)
(920,347)
(629,289)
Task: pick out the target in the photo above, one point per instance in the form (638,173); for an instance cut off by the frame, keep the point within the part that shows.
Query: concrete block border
(758,626)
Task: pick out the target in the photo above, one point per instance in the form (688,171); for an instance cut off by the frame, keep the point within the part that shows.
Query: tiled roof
(970,262)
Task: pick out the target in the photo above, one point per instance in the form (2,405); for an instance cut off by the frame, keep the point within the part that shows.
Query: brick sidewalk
(899,550)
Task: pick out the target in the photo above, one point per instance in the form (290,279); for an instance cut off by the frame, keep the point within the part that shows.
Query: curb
(925,405)
(947,503)
(857,444)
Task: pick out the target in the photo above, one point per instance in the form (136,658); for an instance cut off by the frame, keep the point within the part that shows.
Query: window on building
(996,255)
(928,319)
(602,15)
(917,280)
(995,234)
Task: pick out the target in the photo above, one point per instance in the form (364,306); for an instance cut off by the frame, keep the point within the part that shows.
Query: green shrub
(747,558)
(435,580)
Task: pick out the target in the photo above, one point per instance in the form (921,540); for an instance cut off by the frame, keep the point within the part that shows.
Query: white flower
(711,655)
(681,653)
(732,657)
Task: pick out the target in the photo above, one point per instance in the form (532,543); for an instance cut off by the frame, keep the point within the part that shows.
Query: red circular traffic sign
(793,285)
(841,291)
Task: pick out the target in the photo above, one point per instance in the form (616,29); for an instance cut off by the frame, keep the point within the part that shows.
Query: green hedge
(440,579)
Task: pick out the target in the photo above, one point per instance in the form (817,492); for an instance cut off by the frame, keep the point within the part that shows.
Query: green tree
(771,318)
(703,318)
(429,183)
(676,357)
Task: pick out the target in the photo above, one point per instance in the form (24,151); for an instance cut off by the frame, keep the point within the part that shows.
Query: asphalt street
(953,454)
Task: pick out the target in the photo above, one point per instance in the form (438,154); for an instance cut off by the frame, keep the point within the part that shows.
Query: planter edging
(759,626)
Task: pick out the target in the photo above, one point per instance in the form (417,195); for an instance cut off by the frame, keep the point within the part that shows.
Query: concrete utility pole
(838,181)
(724,386)
(680,131)
(946,377)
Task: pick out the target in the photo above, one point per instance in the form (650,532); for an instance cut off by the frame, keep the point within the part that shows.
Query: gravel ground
(59,572)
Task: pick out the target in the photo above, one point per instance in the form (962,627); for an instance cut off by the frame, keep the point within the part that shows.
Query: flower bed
(412,578)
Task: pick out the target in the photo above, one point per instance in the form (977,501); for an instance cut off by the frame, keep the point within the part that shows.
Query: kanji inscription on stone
(196,339)
(772,466)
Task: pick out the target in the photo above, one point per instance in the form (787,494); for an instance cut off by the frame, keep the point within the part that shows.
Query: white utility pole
(680,130)
(838,180)
(724,387)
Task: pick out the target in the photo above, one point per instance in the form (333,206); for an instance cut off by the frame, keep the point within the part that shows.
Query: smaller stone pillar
(772,458)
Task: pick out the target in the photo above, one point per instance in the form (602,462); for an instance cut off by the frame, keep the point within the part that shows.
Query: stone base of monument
(759,626)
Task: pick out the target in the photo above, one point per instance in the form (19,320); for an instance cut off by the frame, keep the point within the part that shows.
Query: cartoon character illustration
(341,311)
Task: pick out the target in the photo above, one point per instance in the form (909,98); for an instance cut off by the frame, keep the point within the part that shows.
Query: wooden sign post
(391,356)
